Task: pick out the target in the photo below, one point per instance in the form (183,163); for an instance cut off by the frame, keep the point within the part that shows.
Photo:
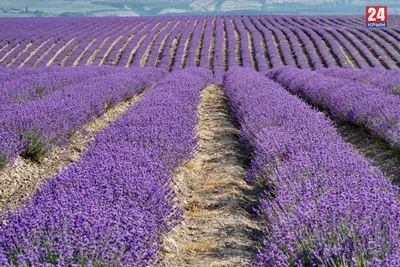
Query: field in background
(214,42)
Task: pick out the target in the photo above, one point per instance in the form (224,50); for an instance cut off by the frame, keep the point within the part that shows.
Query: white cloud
(203,5)
(231,5)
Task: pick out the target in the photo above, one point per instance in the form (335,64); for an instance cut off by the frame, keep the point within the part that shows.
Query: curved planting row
(388,80)
(353,101)
(113,206)
(38,125)
(323,204)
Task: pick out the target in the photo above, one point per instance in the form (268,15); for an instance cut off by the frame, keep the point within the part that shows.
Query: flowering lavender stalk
(323,204)
(113,206)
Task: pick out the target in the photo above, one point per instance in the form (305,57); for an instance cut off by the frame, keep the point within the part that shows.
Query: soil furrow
(238,49)
(251,47)
(211,50)
(187,45)
(224,46)
(220,228)
(374,148)
(200,45)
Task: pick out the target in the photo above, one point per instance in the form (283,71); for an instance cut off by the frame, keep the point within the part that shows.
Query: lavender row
(368,48)
(385,38)
(338,38)
(261,57)
(351,101)
(113,206)
(178,46)
(322,203)
(319,54)
(231,43)
(144,45)
(85,44)
(218,59)
(94,45)
(379,46)
(110,58)
(50,120)
(49,80)
(194,43)
(246,58)
(388,80)
(118,30)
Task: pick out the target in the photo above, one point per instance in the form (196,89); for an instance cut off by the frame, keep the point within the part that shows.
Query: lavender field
(199,141)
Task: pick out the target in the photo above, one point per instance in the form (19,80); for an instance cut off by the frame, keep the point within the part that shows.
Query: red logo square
(376,14)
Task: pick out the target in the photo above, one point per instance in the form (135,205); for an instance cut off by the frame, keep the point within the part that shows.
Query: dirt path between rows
(221,228)
(20,181)
(374,148)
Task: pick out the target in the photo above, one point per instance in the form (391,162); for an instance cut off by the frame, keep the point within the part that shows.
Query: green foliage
(18,100)
(2,161)
(40,92)
(34,147)
(396,90)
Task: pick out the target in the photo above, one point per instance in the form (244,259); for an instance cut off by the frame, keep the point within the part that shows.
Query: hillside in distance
(37,8)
